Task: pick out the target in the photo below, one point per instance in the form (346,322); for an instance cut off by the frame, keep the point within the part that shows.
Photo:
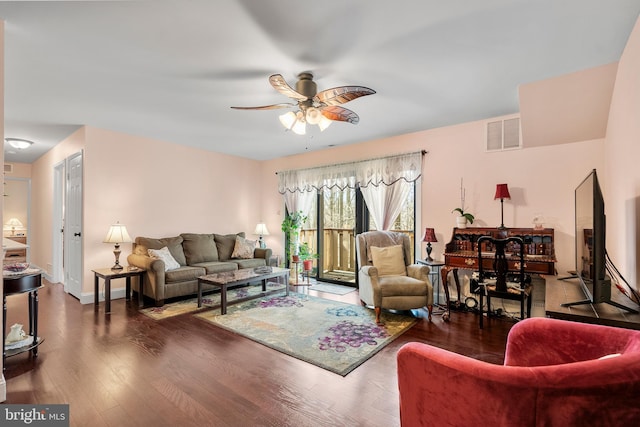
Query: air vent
(503,134)
(8,168)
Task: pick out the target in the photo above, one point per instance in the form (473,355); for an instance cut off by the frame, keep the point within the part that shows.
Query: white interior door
(59,186)
(73,226)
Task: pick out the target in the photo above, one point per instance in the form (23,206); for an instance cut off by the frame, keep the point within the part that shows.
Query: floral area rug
(210,300)
(332,335)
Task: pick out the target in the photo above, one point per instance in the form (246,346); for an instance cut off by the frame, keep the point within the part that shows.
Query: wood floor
(125,369)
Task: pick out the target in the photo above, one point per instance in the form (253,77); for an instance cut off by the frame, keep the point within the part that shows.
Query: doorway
(67,224)
(16,212)
(335,218)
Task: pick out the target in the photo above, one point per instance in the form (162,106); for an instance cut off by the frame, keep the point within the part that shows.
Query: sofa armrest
(263,253)
(155,279)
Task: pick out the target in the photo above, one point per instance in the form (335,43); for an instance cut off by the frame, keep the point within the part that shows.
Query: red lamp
(429,236)
(502,192)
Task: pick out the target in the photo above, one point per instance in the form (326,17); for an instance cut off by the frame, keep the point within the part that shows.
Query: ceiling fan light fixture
(299,127)
(294,122)
(288,119)
(313,116)
(324,122)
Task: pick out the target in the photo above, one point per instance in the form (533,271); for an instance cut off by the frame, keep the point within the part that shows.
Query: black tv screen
(590,239)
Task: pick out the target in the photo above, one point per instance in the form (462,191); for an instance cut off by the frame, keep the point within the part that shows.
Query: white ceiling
(170,69)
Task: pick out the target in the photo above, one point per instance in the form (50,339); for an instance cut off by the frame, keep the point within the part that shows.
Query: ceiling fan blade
(342,94)
(279,84)
(340,114)
(266,107)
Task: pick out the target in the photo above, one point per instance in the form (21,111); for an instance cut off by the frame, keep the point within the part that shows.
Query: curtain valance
(375,172)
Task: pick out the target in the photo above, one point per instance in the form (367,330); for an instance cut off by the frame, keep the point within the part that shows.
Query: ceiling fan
(316,108)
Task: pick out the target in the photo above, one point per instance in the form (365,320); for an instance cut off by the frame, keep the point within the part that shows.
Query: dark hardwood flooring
(125,369)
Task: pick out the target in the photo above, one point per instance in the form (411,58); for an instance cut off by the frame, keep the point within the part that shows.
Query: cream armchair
(385,276)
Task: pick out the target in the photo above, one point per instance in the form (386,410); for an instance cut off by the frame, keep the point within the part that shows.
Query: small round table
(28,281)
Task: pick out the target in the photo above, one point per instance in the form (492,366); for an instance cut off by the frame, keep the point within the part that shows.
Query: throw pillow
(389,260)
(199,248)
(143,244)
(225,245)
(170,262)
(244,248)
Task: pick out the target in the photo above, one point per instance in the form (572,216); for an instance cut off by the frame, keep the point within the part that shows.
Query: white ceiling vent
(8,168)
(503,134)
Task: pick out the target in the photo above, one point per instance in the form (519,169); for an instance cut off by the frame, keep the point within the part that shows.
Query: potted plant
(291,226)
(306,256)
(464,217)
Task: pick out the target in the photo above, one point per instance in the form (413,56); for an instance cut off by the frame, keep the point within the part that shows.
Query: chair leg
(377,310)
(481,309)
(430,309)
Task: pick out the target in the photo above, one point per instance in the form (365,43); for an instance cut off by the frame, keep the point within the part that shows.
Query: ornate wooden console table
(462,251)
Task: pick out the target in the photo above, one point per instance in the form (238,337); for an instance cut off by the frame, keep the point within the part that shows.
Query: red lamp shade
(502,192)
(429,235)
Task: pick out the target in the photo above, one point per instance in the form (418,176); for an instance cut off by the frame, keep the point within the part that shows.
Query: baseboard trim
(88,297)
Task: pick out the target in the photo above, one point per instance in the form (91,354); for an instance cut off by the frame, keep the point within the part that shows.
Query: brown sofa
(198,254)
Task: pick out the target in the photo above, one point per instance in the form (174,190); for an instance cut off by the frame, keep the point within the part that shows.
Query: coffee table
(241,277)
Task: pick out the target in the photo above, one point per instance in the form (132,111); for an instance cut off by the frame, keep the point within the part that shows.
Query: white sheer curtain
(384,182)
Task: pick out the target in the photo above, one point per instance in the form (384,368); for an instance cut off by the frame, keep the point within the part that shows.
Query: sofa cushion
(250,263)
(243,248)
(199,248)
(184,274)
(225,244)
(217,266)
(389,260)
(163,254)
(143,244)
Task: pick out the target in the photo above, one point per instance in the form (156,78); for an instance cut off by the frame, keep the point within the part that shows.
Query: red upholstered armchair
(556,373)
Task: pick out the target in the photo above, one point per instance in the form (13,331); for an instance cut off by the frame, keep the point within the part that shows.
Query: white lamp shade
(14,223)
(324,123)
(261,230)
(117,234)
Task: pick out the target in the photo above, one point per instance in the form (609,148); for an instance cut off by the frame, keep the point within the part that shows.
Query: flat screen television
(590,239)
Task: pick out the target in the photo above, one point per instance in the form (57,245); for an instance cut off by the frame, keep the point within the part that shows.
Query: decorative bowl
(17,267)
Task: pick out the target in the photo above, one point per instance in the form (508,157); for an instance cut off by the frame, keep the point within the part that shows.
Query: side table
(435,271)
(108,274)
(29,281)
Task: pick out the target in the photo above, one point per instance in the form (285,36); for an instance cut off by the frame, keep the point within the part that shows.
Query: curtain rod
(423,152)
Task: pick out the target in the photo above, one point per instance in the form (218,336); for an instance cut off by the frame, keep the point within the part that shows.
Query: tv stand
(565,291)
(588,301)
(604,299)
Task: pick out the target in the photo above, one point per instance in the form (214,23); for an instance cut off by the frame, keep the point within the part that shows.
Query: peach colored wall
(622,174)
(20,170)
(159,189)
(540,179)
(41,233)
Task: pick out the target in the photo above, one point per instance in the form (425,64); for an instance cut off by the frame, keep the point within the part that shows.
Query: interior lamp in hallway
(502,192)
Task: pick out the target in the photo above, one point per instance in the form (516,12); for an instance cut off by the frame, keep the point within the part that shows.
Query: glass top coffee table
(241,277)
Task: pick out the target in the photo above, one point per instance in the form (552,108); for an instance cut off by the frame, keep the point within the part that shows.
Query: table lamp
(117,234)
(261,230)
(429,236)
(502,192)
(12,224)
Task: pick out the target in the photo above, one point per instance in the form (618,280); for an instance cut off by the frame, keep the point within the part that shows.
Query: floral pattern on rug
(347,333)
(209,301)
(332,335)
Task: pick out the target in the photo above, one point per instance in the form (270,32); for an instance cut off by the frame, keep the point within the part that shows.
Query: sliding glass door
(334,220)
